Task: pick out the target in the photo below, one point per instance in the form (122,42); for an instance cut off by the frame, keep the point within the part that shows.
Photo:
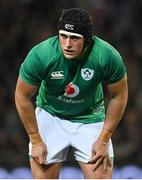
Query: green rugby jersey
(72,89)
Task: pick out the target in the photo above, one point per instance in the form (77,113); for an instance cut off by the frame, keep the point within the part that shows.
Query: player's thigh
(50,171)
(87,135)
(97,174)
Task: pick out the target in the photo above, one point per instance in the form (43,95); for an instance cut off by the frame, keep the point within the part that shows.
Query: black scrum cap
(78,21)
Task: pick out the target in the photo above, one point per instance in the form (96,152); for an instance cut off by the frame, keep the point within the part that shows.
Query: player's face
(71,45)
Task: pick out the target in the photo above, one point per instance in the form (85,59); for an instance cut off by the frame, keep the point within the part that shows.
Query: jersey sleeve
(32,69)
(114,68)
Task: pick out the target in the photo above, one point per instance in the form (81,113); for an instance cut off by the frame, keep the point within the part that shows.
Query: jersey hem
(84,121)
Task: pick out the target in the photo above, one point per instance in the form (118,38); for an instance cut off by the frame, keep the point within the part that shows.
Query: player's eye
(74,37)
(63,35)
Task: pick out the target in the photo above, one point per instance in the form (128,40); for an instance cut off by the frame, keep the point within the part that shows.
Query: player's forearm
(115,109)
(26,112)
(114,114)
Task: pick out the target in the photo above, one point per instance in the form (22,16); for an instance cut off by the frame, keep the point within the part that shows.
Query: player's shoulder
(104,47)
(47,50)
(103,52)
(48,44)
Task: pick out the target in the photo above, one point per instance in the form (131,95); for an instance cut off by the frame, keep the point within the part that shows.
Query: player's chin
(70,56)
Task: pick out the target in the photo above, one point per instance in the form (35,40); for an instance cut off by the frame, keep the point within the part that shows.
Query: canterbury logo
(69,26)
(57,75)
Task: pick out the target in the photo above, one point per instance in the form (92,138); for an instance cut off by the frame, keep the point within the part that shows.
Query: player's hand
(39,153)
(100,155)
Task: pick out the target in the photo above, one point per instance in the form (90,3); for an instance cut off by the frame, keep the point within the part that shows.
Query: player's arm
(25,108)
(117,103)
(116,106)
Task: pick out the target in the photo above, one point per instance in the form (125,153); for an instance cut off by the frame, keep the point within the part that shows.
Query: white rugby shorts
(59,134)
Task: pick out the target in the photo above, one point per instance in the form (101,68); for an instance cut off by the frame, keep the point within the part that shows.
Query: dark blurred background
(24,23)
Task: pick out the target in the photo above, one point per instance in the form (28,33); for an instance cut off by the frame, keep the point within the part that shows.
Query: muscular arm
(25,108)
(116,106)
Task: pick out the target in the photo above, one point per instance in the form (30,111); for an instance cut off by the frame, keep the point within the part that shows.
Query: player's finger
(45,157)
(98,163)
(106,163)
(41,160)
(94,158)
(36,159)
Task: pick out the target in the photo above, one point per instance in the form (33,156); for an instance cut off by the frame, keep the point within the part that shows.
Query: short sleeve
(114,68)
(32,69)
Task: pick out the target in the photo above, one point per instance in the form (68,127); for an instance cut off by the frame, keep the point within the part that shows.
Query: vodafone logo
(71,90)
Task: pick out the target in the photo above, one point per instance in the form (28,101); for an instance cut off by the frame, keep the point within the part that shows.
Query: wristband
(105,135)
(35,138)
